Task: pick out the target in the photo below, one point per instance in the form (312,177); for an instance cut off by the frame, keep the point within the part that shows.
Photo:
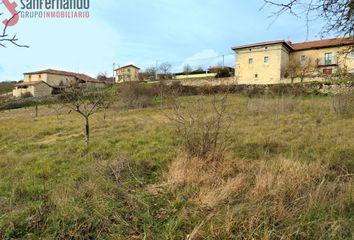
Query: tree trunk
(36,110)
(87,130)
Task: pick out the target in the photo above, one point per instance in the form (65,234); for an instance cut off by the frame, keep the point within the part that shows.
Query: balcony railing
(327,62)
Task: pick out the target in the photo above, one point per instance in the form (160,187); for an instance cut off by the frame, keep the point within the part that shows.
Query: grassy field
(287,174)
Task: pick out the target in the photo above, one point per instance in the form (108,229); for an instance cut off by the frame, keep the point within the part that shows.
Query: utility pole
(156,69)
(223,61)
(114,68)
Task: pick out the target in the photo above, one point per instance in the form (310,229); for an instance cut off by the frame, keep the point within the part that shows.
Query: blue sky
(195,32)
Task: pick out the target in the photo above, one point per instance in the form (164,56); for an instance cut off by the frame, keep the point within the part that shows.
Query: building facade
(282,61)
(44,83)
(128,73)
(32,89)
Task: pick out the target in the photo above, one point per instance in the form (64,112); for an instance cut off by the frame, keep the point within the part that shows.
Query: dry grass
(276,106)
(263,196)
(343,104)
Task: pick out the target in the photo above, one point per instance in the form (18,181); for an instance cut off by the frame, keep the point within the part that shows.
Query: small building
(222,71)
(46,82)
(196,74)
(32,89)
(128,73)
(276,61)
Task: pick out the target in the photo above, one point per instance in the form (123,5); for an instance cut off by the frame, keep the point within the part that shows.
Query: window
(327,71)
(328,58)
(256,75)
(40,77)
(302,59)
(353,54)
(29,77)
(266,59)
(250,61)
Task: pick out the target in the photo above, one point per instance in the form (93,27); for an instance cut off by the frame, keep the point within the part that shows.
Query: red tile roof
(80,76)
(325,43)
(130,65)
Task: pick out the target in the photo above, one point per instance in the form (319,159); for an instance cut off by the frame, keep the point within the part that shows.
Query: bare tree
(292,71)
(337,15)
(77,98)
(187,69)
(165,69)
(148,74)
(5,38)
(202,125)
(306,69)
(103,76)
(297,69)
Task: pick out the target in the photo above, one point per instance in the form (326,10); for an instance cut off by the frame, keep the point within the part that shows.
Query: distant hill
(6,87)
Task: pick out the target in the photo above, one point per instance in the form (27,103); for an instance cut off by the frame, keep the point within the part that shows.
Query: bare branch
(4,37)
(79,99)
(337,15)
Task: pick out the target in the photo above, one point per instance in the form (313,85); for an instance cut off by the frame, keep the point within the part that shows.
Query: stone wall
(324,87)
(205,82)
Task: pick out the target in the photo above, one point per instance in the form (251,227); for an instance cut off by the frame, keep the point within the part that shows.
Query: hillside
(6,87)
(286,173)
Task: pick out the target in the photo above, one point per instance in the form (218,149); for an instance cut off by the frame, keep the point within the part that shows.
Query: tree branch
(4,37)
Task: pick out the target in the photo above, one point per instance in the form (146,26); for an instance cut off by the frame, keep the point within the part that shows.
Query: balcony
(327,62)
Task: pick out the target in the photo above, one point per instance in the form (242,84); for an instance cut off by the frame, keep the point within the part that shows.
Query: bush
(137,95)
(27,95)
(201,127)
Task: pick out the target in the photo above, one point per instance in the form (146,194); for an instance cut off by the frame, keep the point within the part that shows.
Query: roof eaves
(263,44)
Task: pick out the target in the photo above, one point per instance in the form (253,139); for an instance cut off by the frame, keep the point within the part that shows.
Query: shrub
(136,95)
(26,95)
(201,126)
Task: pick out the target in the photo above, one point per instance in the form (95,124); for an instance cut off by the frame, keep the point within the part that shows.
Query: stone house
(128,73)
(46,82)
(273,62)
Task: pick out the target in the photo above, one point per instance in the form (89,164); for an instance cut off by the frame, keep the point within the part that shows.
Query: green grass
(53,187)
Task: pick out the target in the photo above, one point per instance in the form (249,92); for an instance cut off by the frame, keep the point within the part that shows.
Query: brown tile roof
(325,43)
(130,65)
(27,84)
(334,42)
(262,44)
(80,76)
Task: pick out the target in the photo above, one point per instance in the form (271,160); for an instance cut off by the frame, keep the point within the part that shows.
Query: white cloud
(205,58)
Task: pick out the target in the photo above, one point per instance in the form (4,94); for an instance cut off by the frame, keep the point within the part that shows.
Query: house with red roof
(283,61)
(46,82)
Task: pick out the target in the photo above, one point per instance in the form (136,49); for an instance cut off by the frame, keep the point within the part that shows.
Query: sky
(141,32)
